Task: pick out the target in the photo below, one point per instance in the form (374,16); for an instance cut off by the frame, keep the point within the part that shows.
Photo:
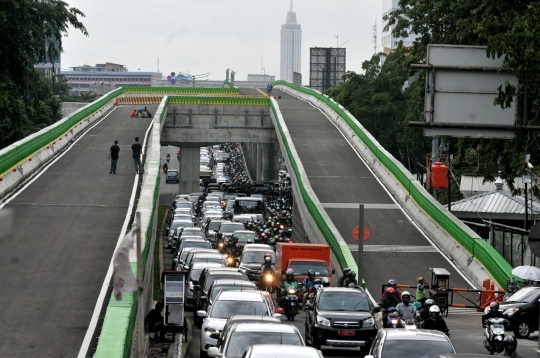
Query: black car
(207,278)
(341,317)
(521,310)
(252,260)
(225,285)
(172,177)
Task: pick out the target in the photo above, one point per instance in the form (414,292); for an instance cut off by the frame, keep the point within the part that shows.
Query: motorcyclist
(493,313)
(392,283)
(351,279)
(165,167)
(288,283)
(406,306)
(168,157)
(308,283)
(389,301)
(424,311)
(326,282)
(435,321)
(346,271)
(510,345)
(267,266)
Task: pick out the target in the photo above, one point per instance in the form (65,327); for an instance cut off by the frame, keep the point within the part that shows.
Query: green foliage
(27,102)
(509,29)
(378,99)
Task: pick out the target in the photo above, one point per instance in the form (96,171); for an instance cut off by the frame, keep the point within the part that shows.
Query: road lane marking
(394,248)
(72,205)
(355,206)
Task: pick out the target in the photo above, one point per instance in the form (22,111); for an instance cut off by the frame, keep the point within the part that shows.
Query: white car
(281,351)
(227,304)
(242,335)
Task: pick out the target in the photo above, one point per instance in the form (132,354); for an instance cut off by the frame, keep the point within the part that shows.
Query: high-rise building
(389,42)
(291,46)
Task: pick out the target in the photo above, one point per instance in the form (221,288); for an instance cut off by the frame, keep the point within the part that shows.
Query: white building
(261,78)
(389,42)
(291,46)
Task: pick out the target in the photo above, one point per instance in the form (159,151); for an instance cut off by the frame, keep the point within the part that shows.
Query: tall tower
(291,46)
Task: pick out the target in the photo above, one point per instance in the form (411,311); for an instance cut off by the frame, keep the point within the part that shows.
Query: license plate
(346,332)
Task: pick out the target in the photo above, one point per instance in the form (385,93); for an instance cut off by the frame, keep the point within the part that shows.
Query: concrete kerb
(469,265)
(310,225)
(28,166)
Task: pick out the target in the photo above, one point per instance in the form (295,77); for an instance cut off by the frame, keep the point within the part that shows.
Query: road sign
(356,233)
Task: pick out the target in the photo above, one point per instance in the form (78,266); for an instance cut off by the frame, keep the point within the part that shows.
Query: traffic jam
(248,282)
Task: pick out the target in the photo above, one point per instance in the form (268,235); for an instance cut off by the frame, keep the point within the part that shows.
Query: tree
(27,103)
(509,29)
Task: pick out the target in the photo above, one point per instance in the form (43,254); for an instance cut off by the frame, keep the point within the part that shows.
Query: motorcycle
(168,158)
(494,335)
(291,304)
(408,321)
(391,317)
(267,282)
(220,245)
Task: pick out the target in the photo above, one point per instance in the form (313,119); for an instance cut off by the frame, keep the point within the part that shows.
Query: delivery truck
(302,258)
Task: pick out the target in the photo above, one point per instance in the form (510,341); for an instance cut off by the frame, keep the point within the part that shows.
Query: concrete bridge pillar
(259,162)
(190,162)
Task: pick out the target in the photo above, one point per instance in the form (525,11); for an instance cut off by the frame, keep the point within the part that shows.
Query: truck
(302,258)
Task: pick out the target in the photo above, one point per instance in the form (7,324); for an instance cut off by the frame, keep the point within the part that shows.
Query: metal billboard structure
(461,85)
(326,67)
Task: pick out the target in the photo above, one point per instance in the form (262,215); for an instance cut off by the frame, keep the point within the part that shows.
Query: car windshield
(244,237)
(211,278)
(214,225)
(527,295)
(201,244)
(196,232)
(172,173)
(194,199)
(302,268)
(239,341)
(219,260)
(226,309)
(218,289)
(184,254)
(230,197)
(184,204)
(177,224)
(231,227)
(343,301)
(250,257)
(409,348)
(195,274)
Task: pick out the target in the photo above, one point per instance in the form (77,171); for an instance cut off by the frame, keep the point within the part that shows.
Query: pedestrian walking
(268,89)
(113,156)
(137,152)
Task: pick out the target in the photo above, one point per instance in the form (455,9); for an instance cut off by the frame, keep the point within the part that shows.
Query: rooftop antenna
(375,36)
(158,64)
(291,6)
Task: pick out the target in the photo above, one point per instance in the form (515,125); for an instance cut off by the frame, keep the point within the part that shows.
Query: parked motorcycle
(494,335)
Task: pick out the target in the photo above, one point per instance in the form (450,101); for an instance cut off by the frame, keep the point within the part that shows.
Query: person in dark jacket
(389,301)
(154,321)
(341,280)
(435,321)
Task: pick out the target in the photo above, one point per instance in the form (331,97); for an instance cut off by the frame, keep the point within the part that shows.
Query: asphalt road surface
(65,226)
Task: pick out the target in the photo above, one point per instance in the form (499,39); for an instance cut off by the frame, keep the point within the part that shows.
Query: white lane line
(393,248)
(47,166)
(99,304)
(394,199)
(355,206)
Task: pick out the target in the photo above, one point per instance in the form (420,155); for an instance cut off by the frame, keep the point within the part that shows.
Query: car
(225,285)
(183,204)
(245,319)
(190,241)
(184,264)
(193,231)
(243,218)
(227,304)
(268,296)
(213,215)
(209,229)
(227,228)
(242,335)
(183,216)
(521,310)
(206,280)
(207,257)
(209,205)
(281,351)
(172,177)
(252,259)
(194,276)
(341,317)
(401,342)
(182,255)
(242,237)
(169,230)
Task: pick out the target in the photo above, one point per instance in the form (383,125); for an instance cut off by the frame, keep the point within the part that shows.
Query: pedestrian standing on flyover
(137,152)
(113,156)
(268,88)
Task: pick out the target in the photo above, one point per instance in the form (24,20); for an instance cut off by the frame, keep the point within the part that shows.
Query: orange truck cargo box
(302,257)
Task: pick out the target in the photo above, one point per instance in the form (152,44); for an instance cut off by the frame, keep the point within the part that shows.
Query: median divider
(118,335)
(476,258)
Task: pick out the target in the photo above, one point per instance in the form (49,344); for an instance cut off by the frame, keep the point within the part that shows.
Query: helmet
(326,282)
(289,272)
(429,302)
(346,271)
(352,275)
(263,235)
(434,311)
(391,282)
(417,304)
(249,241)
(493,305)
(317,281)
(390,290)
(238,245)
(267,259)
(272,242)
(311,273)
(405,293)
(510,344)
(351,285)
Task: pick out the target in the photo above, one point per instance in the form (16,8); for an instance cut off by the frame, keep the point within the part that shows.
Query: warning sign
(356,233)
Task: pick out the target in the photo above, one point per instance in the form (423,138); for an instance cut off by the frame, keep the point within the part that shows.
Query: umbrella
(527,272)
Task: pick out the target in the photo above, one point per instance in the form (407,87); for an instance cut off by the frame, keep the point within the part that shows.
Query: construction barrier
(180,90)
(233,101)
(138,100)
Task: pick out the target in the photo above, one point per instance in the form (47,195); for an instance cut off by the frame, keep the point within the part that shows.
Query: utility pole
(375,36)
(360,262)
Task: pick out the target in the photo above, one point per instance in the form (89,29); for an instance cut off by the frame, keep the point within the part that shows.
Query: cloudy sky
(209,36)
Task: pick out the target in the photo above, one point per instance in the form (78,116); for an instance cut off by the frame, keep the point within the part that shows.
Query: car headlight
(510,311)
(323,321)
(368,322)
(209,330)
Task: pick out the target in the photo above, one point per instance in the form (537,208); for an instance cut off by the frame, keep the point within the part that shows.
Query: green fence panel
(490,258)
(180,90)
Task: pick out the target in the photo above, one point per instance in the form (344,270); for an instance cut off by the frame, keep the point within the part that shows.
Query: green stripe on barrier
(487,255)
(236,101)
(180,90)
(16,152)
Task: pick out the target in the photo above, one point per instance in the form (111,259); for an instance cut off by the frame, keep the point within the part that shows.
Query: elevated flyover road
(64,228)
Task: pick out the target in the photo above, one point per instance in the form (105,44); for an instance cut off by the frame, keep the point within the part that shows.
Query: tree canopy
(28,27)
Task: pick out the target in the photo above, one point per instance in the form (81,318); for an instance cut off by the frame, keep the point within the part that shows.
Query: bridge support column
(259,162)
(190,161)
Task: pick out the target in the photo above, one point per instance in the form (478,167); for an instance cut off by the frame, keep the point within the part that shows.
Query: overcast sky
(209,36)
